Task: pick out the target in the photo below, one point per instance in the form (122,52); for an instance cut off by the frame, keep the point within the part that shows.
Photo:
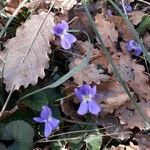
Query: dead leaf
(113,95)
(27,52)
(140,81)
(130,118)
(122,27)
(91,73)
(106,30)
(136,17)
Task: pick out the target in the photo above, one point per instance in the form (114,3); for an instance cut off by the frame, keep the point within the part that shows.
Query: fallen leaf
(122,28)
(113,95)
(106,30)
(130,118)
(136,17)
(28,52)
(91,73)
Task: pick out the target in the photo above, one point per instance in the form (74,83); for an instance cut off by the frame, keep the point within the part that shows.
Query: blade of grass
(145,118)
(131,28)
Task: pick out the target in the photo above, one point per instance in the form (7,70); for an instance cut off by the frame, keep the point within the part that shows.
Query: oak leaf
(27,53)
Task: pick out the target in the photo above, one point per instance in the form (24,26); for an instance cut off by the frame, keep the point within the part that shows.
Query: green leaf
(21,133)
(144,25)
(93,141)
(56,145)
(36,101)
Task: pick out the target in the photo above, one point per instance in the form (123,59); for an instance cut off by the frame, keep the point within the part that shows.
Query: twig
(7,100)
(2,59)
(144,2)
(124,9)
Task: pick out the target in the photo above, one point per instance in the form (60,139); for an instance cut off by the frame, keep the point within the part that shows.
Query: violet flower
(128,8)
(133,45)
(61,30)
(86,95)
(47,118)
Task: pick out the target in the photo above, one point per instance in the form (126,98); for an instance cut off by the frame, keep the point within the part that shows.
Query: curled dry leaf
(122,27)
(106,30)
(27,53)
(113,95)
(91,73)
(136,17)
(130,118)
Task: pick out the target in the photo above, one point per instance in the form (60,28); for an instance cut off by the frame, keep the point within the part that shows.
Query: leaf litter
(31,53)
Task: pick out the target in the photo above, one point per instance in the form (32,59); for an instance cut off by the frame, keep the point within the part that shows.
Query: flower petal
(83,108)
(38,119)
(85,89)
(55,123)
(71,38)
(65,43)
(46,112)
(94,108)
(137,51)
(78,93)
(67,39)
(48,129)
(93,91)
(65,25)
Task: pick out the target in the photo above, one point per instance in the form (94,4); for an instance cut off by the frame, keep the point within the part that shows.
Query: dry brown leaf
(136,17)
(130,118)
(91,73)
(125,147)
(122,27)
(27,52)
(106,29)
(140,82)
(113,95)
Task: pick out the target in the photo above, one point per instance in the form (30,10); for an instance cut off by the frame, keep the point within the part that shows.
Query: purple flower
(133,45)
(86,95)
(128,8)
(66,38)
(47,118)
